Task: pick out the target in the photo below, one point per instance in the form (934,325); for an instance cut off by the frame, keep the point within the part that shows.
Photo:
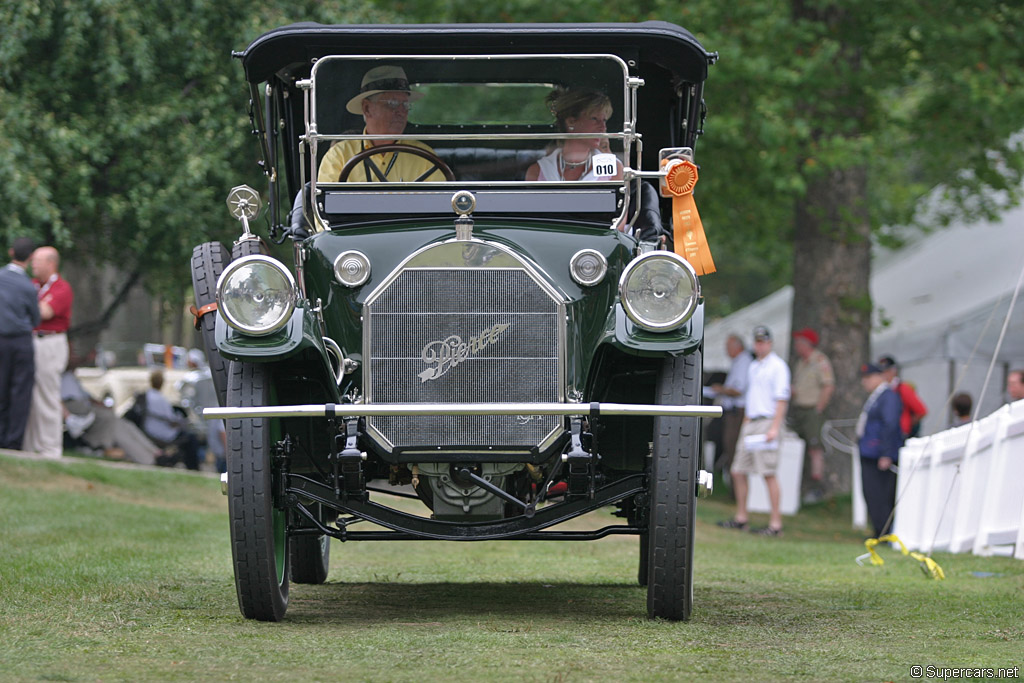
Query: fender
(300,337)
(623,334)
(300,333)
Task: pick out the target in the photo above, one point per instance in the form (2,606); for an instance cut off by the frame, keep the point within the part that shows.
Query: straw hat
(381,79)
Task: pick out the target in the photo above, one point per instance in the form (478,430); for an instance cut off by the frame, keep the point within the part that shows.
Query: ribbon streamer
(687,230)
(929,566)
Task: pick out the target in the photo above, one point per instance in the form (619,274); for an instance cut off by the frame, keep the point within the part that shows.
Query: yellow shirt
(396,167)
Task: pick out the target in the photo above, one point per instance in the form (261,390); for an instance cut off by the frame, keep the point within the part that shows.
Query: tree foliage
(123,123)
(928,94)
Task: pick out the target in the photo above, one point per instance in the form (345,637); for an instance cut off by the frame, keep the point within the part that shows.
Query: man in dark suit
(879,439)
(19,313)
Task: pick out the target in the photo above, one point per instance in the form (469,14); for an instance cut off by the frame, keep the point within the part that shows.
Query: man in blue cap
(879,439)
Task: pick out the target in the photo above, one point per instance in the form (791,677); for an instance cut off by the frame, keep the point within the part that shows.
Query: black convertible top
(660,43)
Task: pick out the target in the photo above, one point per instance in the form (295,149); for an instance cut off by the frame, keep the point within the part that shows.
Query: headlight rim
(585,282)
(292,301)
(637,319)
(365,258)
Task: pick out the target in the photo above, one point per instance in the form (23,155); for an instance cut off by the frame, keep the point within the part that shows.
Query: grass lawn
(123,574)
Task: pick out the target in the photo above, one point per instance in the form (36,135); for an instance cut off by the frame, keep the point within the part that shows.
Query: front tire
(673,492)
(259,540)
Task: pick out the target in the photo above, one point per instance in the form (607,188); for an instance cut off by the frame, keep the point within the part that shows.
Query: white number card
(605,165)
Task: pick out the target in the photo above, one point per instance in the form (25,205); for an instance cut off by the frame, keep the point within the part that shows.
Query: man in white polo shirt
(757,452)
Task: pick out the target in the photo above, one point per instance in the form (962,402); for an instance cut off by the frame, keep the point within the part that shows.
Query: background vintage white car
(122,371)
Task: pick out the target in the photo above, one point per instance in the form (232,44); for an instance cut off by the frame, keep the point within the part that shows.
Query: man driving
(384,100)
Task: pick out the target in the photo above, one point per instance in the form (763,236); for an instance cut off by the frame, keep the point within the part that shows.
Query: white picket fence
(962,490)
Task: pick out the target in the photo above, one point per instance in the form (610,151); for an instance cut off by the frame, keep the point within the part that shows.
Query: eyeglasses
(394,104)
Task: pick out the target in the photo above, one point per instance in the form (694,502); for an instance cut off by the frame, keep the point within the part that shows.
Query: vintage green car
(483,312)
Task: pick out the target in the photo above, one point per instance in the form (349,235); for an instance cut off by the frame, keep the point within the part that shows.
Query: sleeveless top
(550,165)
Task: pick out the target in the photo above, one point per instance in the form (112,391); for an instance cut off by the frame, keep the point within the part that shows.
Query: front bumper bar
(383,409)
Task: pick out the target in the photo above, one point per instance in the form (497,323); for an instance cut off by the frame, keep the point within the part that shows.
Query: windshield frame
(627,137)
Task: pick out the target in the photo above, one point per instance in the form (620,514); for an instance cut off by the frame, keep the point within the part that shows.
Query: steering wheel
(438,164)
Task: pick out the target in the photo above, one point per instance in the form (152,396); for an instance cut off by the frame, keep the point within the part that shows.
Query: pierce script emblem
(443,355)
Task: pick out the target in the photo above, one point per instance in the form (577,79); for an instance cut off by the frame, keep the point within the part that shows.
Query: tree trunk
(831,273)
(110,309)
(832,235)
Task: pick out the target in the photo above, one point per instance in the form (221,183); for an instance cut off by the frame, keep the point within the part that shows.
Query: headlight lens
(659,291)
(588,267)
(256,295)
(352,268)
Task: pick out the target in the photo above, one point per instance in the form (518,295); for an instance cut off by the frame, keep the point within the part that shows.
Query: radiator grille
(475,335)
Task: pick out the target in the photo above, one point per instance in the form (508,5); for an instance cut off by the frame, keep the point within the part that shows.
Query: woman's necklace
(563,164)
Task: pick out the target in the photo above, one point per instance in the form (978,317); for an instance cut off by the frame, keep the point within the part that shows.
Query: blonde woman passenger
(576,111)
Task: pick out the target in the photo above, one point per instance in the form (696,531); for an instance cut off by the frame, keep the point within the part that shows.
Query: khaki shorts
(763,462)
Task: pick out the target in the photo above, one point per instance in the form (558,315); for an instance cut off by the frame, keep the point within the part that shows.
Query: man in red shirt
(913,407)
(45,431)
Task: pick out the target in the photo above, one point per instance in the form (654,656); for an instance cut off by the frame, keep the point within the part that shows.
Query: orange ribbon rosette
(687,231)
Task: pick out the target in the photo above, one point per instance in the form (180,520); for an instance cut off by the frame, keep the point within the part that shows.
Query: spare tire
(248,247)
(208,262)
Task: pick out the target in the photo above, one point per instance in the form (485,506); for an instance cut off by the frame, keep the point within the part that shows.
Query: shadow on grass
(508,606)
(370,603)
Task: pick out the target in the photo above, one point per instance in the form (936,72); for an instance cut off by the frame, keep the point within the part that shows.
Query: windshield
(508,119)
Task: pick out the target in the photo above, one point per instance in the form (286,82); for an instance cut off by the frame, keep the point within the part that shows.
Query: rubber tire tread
(250,490)
(248,248)
(673,493)
(310,559)
(208,262)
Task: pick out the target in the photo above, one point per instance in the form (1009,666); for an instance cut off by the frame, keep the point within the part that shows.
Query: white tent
(944,298)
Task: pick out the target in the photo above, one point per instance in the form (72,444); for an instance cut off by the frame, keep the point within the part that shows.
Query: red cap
(808,334)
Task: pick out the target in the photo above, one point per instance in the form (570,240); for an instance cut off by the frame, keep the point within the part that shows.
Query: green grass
(119,574)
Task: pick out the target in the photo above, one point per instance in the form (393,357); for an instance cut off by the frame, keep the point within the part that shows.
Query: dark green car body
(467,355)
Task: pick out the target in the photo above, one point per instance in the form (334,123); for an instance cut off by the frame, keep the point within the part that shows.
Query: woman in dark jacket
(879,440)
